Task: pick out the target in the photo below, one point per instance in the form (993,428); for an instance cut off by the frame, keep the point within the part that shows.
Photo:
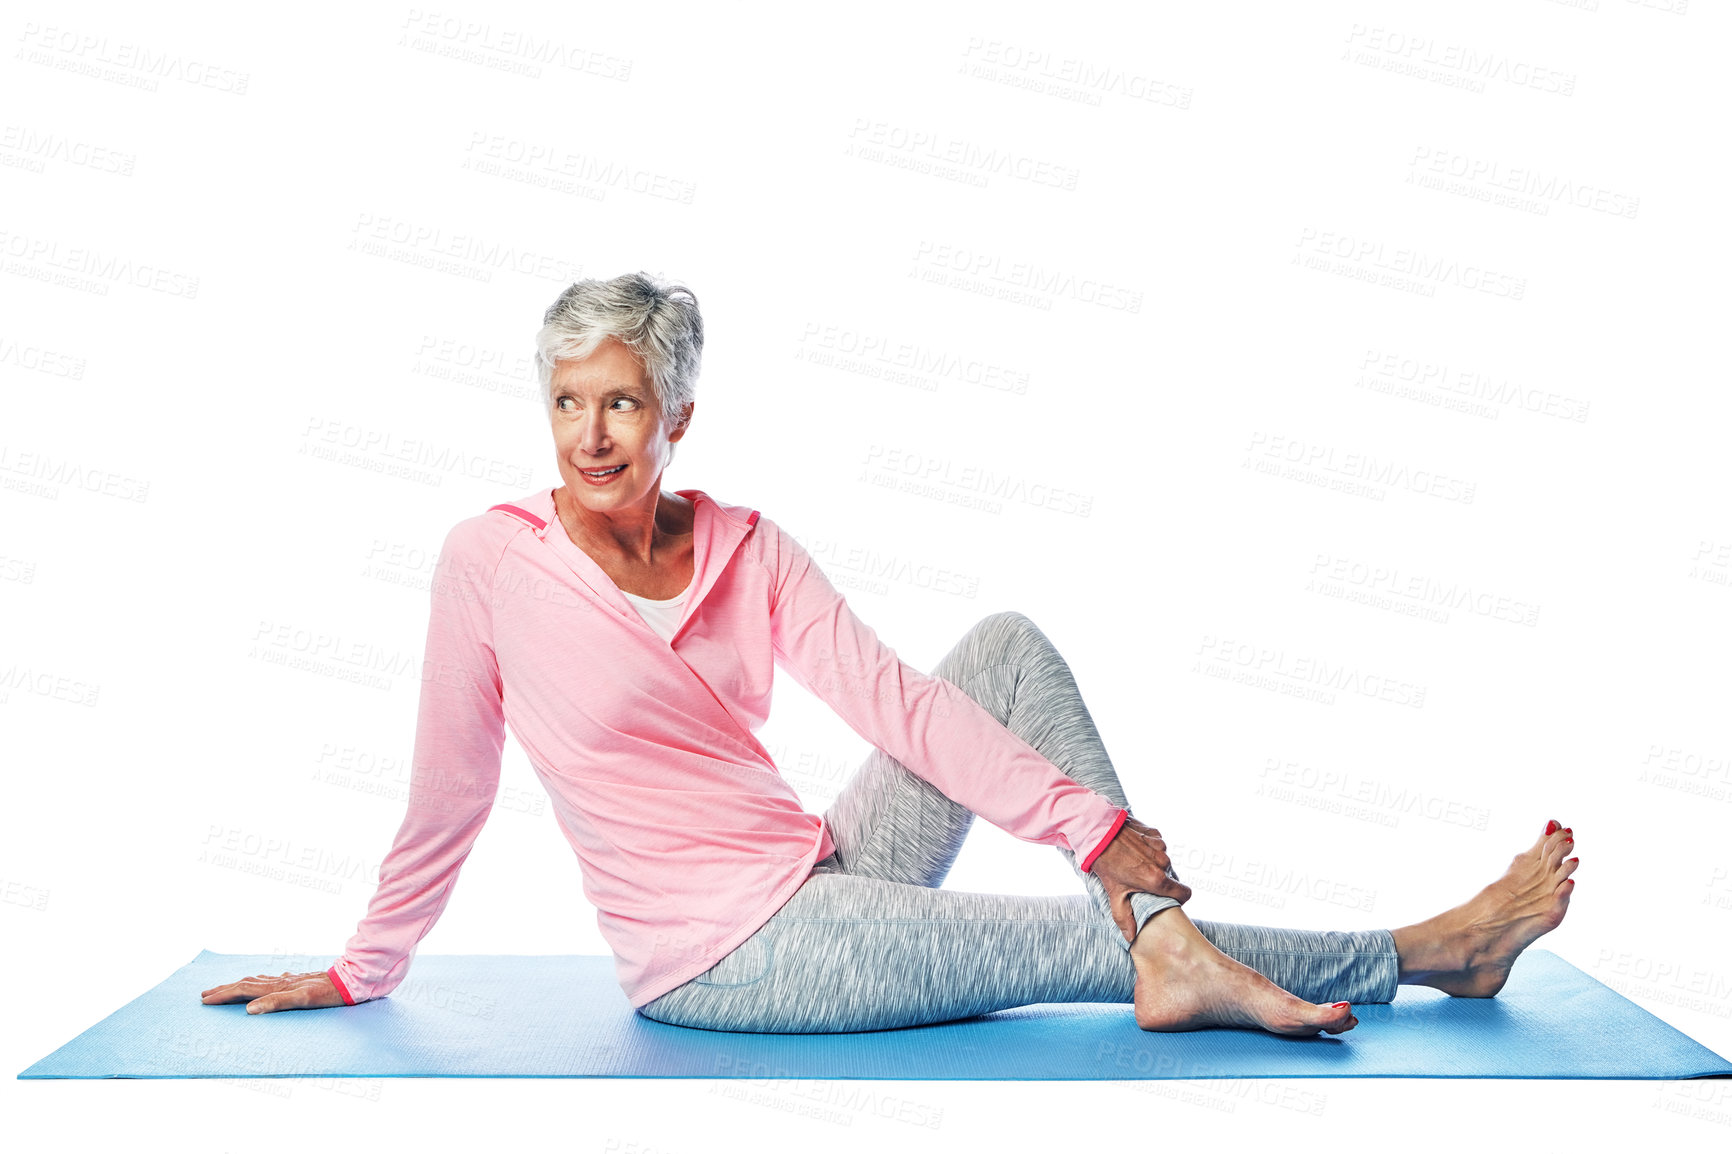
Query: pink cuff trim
(341,988)
(1089,861)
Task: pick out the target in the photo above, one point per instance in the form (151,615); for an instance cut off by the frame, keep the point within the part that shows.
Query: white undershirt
(661,616)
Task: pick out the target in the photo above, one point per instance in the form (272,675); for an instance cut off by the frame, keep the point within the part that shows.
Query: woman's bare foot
(1469,950)
(1185,983)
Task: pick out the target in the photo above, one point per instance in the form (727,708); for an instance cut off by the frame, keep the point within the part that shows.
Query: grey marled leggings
(870,942)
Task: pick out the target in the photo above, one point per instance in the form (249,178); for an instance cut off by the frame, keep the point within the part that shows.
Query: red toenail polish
(1338,1005)
(1575,859)
(1551,828)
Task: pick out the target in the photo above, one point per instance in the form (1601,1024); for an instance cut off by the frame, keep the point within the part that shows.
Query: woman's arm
(459,736)
(926,723)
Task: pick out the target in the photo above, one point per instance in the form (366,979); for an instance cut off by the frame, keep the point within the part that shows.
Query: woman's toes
(1555,835)
(1331,1019)
(1568,867)
(1560,902)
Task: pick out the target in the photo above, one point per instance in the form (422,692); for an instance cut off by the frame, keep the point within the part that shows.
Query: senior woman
(628,636)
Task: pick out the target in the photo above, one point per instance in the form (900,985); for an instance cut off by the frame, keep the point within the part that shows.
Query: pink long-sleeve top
(687,836)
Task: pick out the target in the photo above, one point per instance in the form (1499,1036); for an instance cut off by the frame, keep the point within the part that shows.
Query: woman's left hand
(1136,861)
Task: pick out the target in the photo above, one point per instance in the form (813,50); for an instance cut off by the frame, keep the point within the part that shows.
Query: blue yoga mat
(460,1016)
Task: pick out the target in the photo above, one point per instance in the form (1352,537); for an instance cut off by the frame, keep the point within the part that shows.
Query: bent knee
(997,639)
(1009,621)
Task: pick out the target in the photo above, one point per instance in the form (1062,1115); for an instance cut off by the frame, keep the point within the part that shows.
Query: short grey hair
(658,321)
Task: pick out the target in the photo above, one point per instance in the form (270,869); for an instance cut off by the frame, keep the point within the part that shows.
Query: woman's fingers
(244,990)
(1178,891)
(264,994)
(298,992)
(293,998)
(1154,852)
(1151,840)
(1123,915)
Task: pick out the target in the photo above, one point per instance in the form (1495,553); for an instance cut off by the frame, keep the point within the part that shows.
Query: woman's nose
(594,433)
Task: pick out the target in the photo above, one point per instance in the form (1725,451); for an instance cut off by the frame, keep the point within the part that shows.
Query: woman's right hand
(263,993)
(1136,861)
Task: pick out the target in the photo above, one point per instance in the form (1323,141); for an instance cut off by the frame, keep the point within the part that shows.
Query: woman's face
(605,415)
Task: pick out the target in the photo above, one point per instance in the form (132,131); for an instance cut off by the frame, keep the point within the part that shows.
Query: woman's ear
(685,421)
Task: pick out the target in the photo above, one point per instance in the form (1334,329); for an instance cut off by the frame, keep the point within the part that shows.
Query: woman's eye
(625,400)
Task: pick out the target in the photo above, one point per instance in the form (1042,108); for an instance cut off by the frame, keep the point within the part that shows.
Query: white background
(1340,389)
